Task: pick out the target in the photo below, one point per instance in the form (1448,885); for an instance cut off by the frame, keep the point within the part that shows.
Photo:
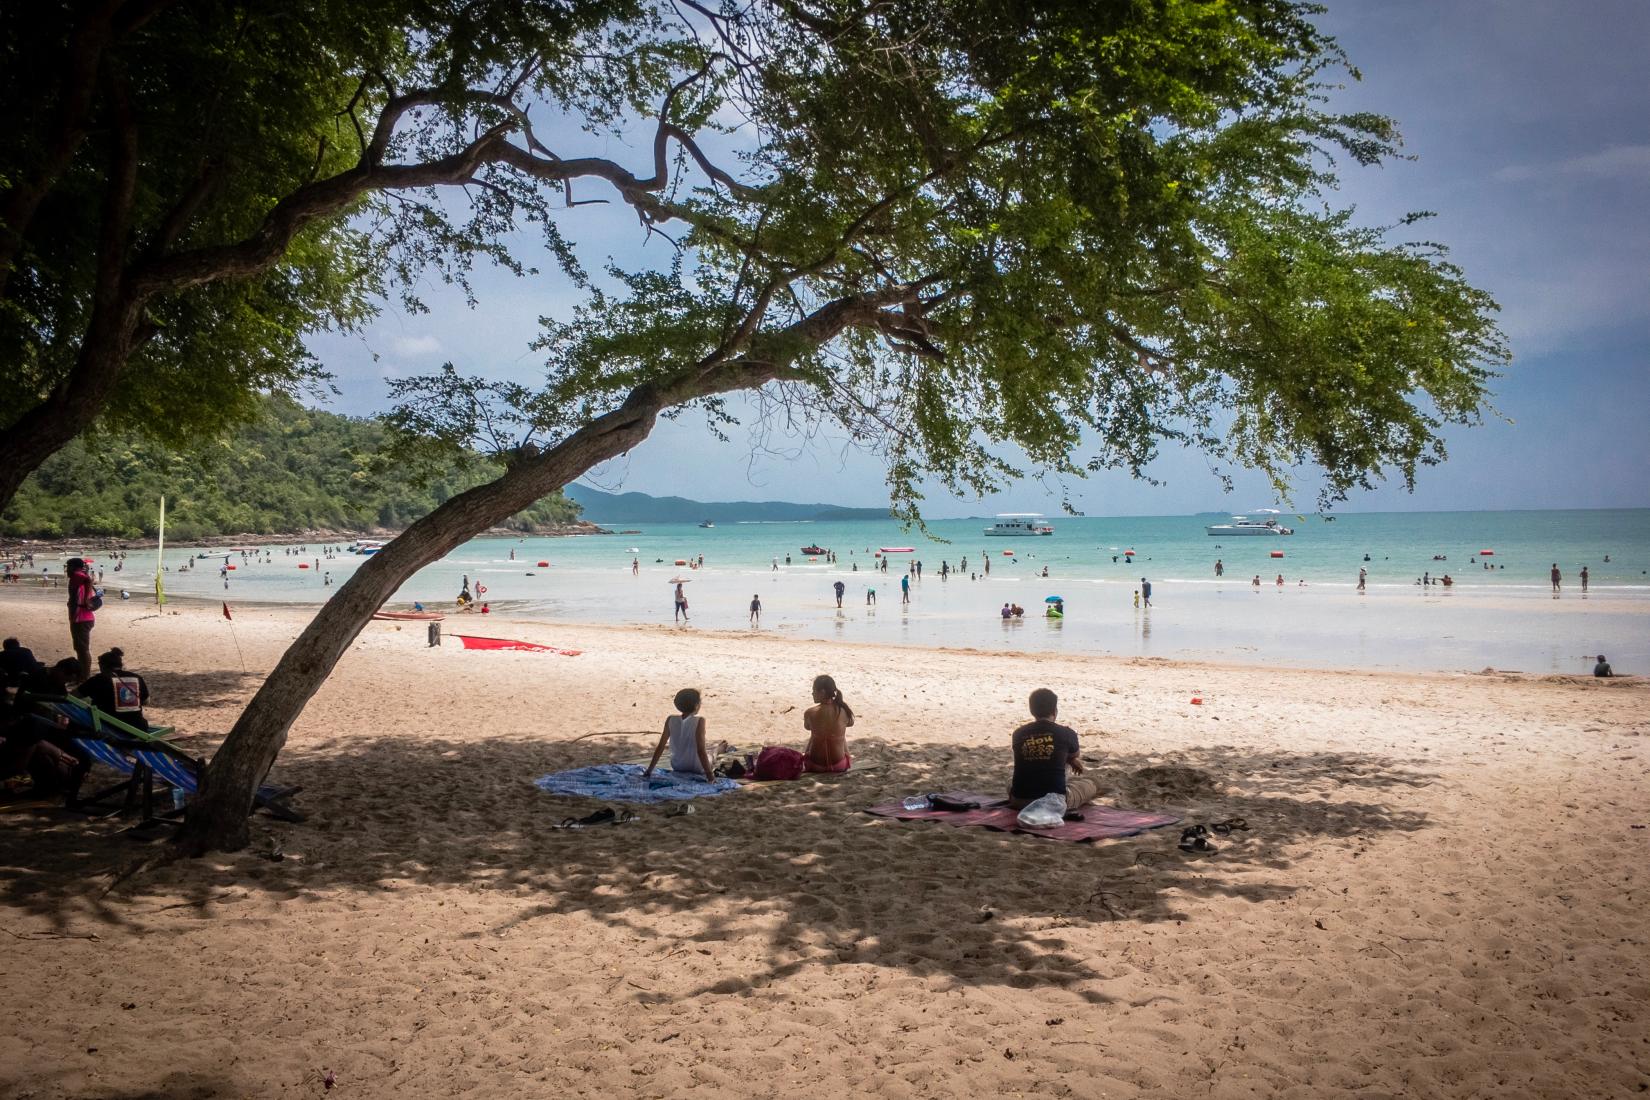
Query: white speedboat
(1019,523)
(1243,525)
(707,525)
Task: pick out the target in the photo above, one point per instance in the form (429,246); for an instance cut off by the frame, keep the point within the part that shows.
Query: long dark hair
(828,686)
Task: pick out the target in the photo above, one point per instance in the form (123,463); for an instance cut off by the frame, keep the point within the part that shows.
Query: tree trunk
(72,407)
(218,818)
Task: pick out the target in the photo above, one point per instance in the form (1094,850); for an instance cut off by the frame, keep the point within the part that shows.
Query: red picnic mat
(1099,822)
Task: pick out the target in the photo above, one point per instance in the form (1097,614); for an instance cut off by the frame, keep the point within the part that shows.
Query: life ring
(481,590)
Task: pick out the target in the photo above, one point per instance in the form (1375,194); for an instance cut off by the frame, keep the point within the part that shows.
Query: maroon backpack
(778,762)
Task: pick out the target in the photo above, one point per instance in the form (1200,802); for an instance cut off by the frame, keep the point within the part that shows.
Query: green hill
(292,470)
(640,508)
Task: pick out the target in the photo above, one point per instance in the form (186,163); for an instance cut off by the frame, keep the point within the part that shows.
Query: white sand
(1440,894)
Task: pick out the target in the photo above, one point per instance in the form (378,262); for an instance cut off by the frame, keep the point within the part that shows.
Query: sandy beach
(1442,890)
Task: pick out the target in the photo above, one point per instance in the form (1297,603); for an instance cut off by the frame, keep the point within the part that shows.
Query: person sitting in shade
(1044,751)
(827,723)
(17,663)
(684,732)
(1602,669)
(117,691)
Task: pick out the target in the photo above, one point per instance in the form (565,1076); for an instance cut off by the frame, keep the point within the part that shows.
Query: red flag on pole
(226,613)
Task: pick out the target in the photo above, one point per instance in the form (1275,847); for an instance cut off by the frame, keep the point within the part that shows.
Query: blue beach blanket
(624,783)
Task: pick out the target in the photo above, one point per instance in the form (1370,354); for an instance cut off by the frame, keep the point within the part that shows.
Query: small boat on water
(1019,523)
(1243,525)
(815,550)
(707,525)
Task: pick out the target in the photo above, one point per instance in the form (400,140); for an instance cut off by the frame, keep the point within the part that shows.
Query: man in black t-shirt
(1043,751)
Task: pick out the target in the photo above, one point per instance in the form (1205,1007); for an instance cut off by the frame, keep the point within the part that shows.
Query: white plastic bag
(1045,813)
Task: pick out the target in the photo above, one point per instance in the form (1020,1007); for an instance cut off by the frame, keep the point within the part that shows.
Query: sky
(1529,127)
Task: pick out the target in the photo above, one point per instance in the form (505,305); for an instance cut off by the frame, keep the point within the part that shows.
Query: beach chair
(182,772)
(142,755)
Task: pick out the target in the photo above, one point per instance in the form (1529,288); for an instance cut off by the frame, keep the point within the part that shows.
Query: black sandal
(606,816)
(1196,839)
(1225,828)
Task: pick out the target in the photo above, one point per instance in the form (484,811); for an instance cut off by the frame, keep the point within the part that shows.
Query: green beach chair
(142,756)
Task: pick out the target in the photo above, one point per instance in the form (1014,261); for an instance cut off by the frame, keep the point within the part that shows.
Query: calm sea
(1503,616)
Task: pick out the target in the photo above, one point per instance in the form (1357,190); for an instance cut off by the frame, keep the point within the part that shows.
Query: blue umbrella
(1053,599)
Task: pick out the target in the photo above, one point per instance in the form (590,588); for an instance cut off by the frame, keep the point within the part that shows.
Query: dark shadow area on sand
(394,813)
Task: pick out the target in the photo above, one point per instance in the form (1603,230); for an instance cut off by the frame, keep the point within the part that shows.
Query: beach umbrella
(1054,599)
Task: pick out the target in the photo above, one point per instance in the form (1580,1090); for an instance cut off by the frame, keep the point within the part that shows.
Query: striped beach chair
(182,772)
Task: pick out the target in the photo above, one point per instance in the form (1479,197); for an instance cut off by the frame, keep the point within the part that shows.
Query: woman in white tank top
(685,733)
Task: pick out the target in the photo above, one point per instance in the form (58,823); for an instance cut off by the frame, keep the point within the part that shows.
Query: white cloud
(415,345)
(1613,160)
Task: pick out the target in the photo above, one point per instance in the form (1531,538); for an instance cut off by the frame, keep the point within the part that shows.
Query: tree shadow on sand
(810,876)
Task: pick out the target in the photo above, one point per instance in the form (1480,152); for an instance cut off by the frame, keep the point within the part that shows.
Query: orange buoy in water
(544,565)
(1008,553)
(681,561)
(1487,553)
(1277,553)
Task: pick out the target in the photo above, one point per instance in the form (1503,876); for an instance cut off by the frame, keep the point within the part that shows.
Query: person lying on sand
(685,732)
(1043,751)
(827,723)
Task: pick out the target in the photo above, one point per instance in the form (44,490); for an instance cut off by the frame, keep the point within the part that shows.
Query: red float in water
(304,565)
(1487,553)
(544,565)
(1277,553)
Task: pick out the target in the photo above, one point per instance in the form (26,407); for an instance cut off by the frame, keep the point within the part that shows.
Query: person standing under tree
(83,604)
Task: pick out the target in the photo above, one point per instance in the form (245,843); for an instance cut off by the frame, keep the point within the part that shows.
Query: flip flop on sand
(1196,839)
(606,816)
(1225,828)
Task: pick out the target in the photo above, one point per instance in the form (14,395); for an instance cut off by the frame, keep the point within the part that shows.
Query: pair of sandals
(1196,837)
(605,816)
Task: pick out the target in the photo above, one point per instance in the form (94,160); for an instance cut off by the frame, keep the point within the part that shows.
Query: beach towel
(624,783)
(1099,822)
(472,641)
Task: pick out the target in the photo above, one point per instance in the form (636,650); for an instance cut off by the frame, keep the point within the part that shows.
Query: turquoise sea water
(1504,617)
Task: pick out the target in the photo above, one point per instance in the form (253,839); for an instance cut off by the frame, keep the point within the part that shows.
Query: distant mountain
(611,508)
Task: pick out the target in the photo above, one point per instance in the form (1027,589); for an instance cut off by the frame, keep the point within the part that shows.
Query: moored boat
(1019,523)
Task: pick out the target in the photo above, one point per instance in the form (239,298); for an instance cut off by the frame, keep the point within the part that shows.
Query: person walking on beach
(1280,581)
(1255,584)
(1044,751)
(1557,578)
(635,567)
(1220,568)
(681,603)
(840,588)
(756,609)
(1584,578)
(905,588)
(1146,591)
(870,597)
(83,604)
(1363,577)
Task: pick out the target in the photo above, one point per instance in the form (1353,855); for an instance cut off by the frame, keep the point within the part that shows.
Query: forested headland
(292,469)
